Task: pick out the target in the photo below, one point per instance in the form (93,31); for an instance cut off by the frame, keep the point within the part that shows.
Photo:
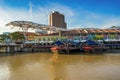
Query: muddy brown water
(48,66)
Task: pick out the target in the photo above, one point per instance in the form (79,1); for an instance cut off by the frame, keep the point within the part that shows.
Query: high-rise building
(56,19)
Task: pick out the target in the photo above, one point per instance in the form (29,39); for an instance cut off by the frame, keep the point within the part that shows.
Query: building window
(48,39)
(56,38)
(43,39)
(39,39)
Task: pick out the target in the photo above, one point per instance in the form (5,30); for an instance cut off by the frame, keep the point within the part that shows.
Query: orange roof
(111,31)
(105,31)
(117,30)
(99,31)
(91,31)
(84,31)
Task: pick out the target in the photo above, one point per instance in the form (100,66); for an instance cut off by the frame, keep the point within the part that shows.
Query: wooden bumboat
(63,49)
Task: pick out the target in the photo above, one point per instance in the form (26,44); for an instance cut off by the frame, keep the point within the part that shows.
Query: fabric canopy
(90,42)
(58,43)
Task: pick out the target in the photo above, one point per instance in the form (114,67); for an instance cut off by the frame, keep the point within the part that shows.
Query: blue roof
(90,42)
(58,43)
(74,43)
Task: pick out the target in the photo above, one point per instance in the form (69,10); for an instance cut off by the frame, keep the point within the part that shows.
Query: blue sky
(78,13)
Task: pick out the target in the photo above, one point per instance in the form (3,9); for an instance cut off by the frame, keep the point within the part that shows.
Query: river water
(48,66)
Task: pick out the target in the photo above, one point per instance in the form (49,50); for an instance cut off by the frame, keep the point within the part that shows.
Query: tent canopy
(58,43)
(90,42)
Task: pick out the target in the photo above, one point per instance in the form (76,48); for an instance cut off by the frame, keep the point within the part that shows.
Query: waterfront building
(57,22)
(76,34)
(48,37)
(5,37)
(83,34)
(57,19)
(30,36)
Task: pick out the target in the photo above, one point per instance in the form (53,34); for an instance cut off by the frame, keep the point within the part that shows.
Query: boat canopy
(74,43)
(90,42)
(58,43)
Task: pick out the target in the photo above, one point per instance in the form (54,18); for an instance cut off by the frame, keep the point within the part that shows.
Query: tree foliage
(17,36)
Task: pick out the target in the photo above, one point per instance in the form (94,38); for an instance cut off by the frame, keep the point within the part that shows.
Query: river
(48,66)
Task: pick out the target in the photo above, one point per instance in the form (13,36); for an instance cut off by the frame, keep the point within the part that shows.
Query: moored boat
(66,48)
(92,46)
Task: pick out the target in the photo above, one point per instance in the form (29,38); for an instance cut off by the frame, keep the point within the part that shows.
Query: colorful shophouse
(81,34)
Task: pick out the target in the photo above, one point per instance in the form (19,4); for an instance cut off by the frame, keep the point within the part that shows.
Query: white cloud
(7,15)
(30,9)
(39,14)
(95,20)
(66,11)
(103,21)
(114,21)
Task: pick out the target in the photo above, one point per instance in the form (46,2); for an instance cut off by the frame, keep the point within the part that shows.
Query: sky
(78,13)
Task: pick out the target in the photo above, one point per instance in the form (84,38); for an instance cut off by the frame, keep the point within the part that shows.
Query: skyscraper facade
(56,19)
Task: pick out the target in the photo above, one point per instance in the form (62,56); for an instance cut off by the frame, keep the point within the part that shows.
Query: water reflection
(47,66)
(4,71)
(54,57)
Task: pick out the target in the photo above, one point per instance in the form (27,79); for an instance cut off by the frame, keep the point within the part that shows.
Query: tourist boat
(65,48)
(92,46)
(93,49)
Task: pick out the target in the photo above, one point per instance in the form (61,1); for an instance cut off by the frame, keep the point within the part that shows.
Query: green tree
(17,36)
(113,26)
(3,37)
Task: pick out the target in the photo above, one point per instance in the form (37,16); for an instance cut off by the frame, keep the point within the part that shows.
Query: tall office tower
(56,19)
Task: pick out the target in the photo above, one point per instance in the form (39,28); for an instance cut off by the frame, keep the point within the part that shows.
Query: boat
(92,46)
(63,47)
